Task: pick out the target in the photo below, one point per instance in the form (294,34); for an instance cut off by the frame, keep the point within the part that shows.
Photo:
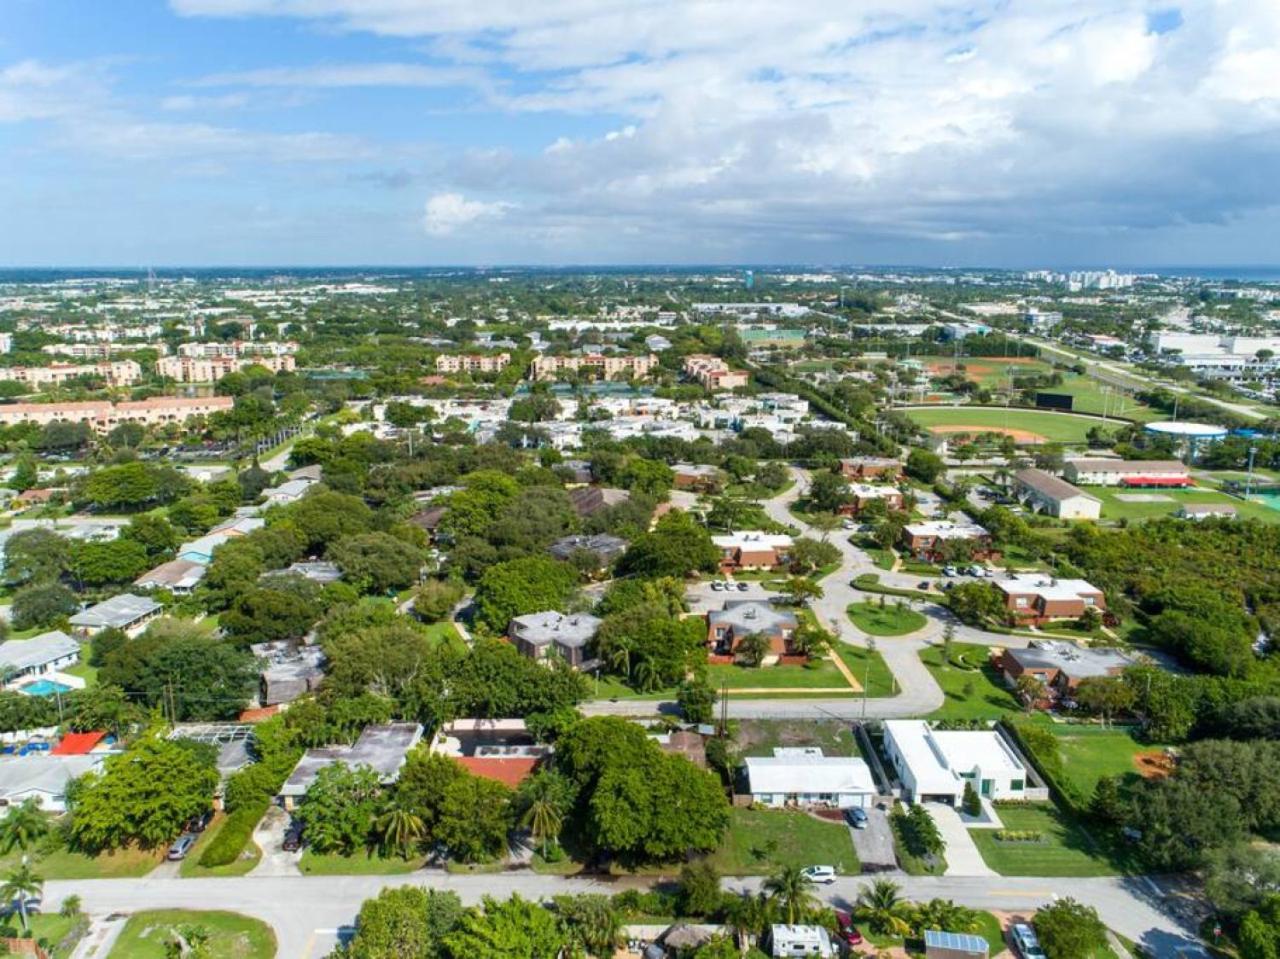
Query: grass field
(64,864)
(1089,398)
(868,667)
(1067,850)
(759,737)
(1114,508)
(760,840)
(361,864)
(1054,427)
(889,620)
(54,927)
(977,693)
(990,371)
(231,935)
(821,674)
(1091,752)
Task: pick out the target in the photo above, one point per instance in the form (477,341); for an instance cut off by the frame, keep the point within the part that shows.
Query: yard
(978,692)
(758,841)
(887,620)
(1167,502)
(1067,848)
(759,737)
(822,675)
(1091,752)
(361,864)
(231,935)
(1051,427)
(868,668)
(61,863)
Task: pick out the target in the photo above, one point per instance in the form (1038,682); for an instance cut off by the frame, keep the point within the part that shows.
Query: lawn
(64,864)
(250,856)
(991,371)
(361,864)
(1089,398)
(868,668)
(231,935)
(1055,427)
(822,674)
(978,693)
(758,841)
(759,737)
(1067,850)
(53,928)
(887,620)
(1171,501)
(446,633)
(1091,752)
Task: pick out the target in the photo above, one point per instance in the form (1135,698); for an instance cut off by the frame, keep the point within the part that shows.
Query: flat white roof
(752,539)
(937,757)
(945,529)
(1046,586)
(868,491)
(791,773)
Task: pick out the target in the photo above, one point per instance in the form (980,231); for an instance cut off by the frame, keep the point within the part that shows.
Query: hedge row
(1019,835)
(1048,766)
(234,835)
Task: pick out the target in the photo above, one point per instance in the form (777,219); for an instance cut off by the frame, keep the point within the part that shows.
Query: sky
(1003,133)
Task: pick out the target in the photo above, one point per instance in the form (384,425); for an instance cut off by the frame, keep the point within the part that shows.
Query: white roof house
(808,778)
(44,777)
(39,654)
(934,764)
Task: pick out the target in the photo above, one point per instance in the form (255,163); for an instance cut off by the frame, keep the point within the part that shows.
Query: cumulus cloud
(447,213)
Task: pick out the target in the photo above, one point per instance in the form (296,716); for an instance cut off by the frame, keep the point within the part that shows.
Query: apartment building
(472,362)
(236,348)
(713,373)
(607,366)
(871,468)
(864,494)
(752,550)
(103,416)
(1061,665)
(116,373)
(1036,597)
(927,541)
(210,369)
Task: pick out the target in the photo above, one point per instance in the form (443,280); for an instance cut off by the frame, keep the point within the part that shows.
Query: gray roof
(1050,485)
(751,616)
(1146,467)
(1078,662)
(381,748)
(318,571)
(936,939)
(20,654)
(43,773)
(540,629)
(118,611)
(602,544)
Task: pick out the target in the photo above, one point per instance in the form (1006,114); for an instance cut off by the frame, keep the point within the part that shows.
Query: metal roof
(955,940)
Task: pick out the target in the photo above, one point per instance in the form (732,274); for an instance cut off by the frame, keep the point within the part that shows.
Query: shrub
(1019,835)
(971,804)
(234,834)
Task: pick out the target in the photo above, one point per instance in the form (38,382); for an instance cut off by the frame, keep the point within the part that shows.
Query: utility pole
(1248,486)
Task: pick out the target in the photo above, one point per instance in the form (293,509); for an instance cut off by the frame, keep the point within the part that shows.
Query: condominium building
(713,373)
(116,373)
(472,363)
(193,369)
(238,348)
(103,416)
(608,366)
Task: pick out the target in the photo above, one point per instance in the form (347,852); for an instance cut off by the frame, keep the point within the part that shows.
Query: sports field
(986,370)
(1089,398)
(1140,504)
(1026,426)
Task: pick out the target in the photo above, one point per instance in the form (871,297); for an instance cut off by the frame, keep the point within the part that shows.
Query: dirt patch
(1153,765)
(983,367)
(1019,436)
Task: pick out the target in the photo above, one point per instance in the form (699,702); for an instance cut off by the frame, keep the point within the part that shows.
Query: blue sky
(1047,132)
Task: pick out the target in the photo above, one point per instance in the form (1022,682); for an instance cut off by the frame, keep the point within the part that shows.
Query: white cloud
(446,213)
(346,75)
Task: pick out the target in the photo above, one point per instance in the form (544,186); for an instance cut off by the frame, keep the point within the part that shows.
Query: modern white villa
(935,764)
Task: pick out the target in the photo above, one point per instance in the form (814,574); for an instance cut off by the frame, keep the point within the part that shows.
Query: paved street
(307,911)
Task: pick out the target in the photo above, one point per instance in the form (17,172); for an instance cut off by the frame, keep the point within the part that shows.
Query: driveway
(874,844)
(963,858)
(269,837)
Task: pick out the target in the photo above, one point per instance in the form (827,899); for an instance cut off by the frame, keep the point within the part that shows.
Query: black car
(855,817)
(292,838)
(201,822)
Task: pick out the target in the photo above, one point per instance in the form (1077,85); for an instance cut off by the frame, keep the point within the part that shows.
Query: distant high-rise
(749,279)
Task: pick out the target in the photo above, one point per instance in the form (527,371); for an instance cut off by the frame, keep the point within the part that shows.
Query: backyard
(1091,752)
(976,692)
(890,619)
(760,840)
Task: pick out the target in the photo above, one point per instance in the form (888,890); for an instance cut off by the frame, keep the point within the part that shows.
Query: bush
(971,804)
(1019,835)
(234,834)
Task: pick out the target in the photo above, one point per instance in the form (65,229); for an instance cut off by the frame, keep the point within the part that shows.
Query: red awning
(77,744)
(1155,481)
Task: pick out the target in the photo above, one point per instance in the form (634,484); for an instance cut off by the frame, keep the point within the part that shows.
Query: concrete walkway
(963,858)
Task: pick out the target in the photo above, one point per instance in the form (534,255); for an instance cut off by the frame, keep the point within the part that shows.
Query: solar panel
(960,941)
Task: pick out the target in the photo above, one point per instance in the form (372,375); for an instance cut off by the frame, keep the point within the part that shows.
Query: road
(306,911)
(918,693)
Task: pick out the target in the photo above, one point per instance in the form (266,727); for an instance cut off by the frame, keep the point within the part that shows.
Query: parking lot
(703,596)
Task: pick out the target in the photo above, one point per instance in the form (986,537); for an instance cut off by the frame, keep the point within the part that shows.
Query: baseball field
(1026,426)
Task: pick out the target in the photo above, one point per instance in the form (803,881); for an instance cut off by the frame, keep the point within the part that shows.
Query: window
(1020,602)
(1015,785)
(766,797)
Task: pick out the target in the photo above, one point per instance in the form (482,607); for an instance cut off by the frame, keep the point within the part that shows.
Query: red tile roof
(258,715)
(509,772)
(77,744)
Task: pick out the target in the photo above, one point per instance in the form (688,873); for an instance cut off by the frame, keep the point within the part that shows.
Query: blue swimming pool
(44,687)
(1268,498)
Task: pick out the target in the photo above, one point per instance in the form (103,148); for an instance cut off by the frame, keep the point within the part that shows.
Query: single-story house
(382,748)
(927,541)
(127,612)
(1046,493)
(1138,473)
(201,550)
(43,777)
(289,670)
(954,945)
(38,655)
(863,468)
(589,500)
(739,618)
(786,941)
(1061,665)
(428,520)
(178,576)
(538,635)
(606,548)
(317,570)
(1038,597)
(499,749)
(934,765)
(287,492)
(805,777)
(752,549)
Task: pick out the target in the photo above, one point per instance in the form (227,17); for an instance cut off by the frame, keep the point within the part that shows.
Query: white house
(805,777)
(934,764)
(44,777)
(41,654)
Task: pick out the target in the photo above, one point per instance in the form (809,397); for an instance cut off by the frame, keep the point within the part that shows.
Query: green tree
(924,466)
(399,828)
(435,599)
(42,605)
(828,491)
(882,907)
(1068,929)
(521,586)
(592,923)
(424,779)
(20,885)
(800,590)
(377,562)
(340,807)
(677,546)
(697,700)
(35,556)
(23,827)
(809,555)
(699,888)
(971,804)
(475,816)
(976,604)
(509,929)
(753,648)
(114,561)
(792,891)
(405,922)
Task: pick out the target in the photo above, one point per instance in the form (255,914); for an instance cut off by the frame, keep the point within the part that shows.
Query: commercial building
(752,549)
(606,365)
(1228,357)
(713,373)
(103,416)
(472,362)
(927,541)
(805,777)
(210,369)
(382,748)
(1107,472)
(727,627)
(539,635)
(125,612)
(1037,597)
(1046,493)
(934,765)
(114,372)
(1039,320)
(1061,665)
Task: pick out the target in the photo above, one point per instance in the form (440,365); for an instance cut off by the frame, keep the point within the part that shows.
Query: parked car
(848,524)
(1024,937)
(950,571)
(846,930)
(924,584)
(823,874)
(976,570)
(717,585)
(201,822)
(292,838)
(743,587)
(181,846)
(856,817)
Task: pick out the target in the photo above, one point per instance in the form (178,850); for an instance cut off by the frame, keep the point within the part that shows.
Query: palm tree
(544,820)
(646,675)
(944,914)
(882,907)
(791,889)
(594,923)
(749,916)
(23,827)
(20,885)
(400,828)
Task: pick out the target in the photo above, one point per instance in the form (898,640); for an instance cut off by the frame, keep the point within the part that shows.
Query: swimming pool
(44,687)
(1269,498)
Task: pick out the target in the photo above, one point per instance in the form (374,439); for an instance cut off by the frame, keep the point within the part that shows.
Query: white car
(950,571)
(716,586)
(823,874)
(1024,937)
